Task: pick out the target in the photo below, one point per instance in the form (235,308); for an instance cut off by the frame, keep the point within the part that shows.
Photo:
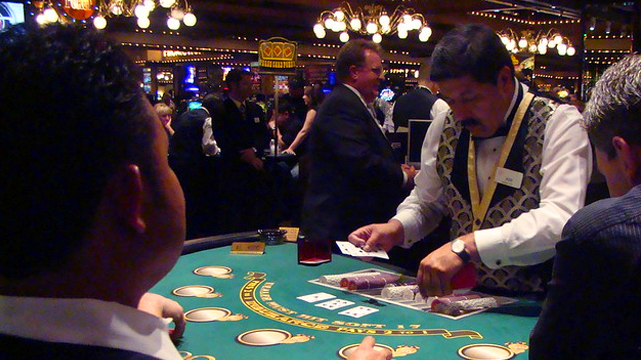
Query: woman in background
(165,113)
(313,96)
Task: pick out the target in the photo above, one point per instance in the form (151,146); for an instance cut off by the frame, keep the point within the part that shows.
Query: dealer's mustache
(467,122)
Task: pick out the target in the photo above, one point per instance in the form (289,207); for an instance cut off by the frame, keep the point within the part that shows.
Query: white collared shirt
(530,238)
(87,322)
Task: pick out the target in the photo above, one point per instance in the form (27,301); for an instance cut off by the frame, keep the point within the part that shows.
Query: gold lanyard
(480,206)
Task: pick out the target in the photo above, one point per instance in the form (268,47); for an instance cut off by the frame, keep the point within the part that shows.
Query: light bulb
(40,19)
(558,39)
(505,40)
(543,48)
(143,22)
(402,27)
(173,24)
(329,23)
(99,22)
(190,19)
(167,3)
(51,15)
(320,34)
(339,15)
(417,23)
(384,20)
(377,38)
(402,34)
(318,27)
(407,18)
(386,29)
(177,14)
(344,37)
(571,51)
(355,24)
(116,10)
(562,49)
(141,11)
(371,28)
(150,5)
(522,43)
(543,41)
(425,34)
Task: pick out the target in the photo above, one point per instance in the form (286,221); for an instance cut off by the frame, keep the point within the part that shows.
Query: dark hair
(284,107)
(473,50)
(236,75)
(614,108)
(353,53)
(73,111)
(316,95)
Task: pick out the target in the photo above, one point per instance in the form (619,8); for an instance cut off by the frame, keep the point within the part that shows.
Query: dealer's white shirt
(86,321)
(530,238)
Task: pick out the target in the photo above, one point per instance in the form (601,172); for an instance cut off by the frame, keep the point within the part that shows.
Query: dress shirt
(373,117)
(88,322)
(439,105)
(209,145)
(530,238)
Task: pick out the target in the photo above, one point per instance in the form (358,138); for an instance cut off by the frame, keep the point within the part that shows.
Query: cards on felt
(335,304)
(359,311)
(311,298)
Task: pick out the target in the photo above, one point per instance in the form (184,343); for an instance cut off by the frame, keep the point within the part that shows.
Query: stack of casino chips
(460,304)
(369,281)
(400,292)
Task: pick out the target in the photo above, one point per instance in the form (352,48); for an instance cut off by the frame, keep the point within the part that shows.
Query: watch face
(458,246)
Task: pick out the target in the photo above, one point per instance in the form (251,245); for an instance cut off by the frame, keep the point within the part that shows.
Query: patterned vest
(507,203)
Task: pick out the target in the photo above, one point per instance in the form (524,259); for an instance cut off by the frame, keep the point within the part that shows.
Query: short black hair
(316,95)
(474,50)
(614,108)
(353,53)
(72,112)
(236,75)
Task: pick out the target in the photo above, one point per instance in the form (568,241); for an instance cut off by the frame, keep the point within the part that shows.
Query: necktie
(242,108)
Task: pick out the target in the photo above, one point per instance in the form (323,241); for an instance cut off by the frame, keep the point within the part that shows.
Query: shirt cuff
(405,179)
(411,235)
(489,247)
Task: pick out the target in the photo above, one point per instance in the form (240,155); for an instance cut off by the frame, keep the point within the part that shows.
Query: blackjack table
(241,306)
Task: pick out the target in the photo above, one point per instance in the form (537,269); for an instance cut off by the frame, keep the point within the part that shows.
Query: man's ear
(353,72)
(630,157)
(504,80)
(125,194)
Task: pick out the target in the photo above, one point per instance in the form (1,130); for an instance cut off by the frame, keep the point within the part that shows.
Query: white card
(509,177)
(335,304)
(311,298)
(359,311)
(349,249)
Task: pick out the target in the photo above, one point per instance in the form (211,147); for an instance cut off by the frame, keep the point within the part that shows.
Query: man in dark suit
(419,103)
(592,310)
(92,216)
(241,132)
(354,178)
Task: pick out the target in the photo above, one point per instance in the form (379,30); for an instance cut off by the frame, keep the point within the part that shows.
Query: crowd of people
(94,212)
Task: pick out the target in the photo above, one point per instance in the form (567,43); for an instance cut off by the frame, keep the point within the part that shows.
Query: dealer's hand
(162,307)
(365,351)
(437,269)
(378,236)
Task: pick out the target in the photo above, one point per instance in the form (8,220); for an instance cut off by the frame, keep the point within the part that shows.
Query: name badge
(509,177)
(256,120)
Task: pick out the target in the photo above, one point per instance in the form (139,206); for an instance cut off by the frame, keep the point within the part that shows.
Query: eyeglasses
(378,71)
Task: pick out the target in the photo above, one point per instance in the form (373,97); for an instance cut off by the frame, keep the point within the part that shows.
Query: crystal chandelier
(534,42)
(372,20)
(99,10)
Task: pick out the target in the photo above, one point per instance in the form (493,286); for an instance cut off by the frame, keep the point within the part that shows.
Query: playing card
(335,304)
(359,311)
(311,298)
(349,249)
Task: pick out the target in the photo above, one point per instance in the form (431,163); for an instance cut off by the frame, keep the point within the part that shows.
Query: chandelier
(537,42)
(372,20)
(99,10)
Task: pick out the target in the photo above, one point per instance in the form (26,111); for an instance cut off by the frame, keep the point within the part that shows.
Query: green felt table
(264,289)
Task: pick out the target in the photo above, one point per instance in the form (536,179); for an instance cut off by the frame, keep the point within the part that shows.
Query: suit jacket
(354,179)
(416,104)
(235,132)
(12,347)
(593,308)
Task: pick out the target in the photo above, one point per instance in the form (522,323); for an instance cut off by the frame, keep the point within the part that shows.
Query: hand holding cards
(348,248)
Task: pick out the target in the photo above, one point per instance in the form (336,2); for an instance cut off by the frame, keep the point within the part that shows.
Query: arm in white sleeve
(440,106)
(421,212)
(210,148)
(566,166)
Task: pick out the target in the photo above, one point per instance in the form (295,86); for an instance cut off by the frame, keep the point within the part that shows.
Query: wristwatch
(458,247)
